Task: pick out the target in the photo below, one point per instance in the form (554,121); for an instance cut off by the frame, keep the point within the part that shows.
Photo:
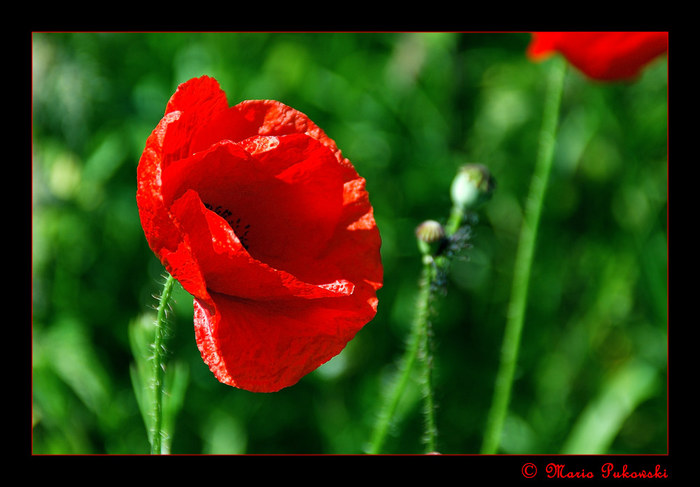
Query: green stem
(523,260)
(454,221)
(417,345)
(429,272)
(159,367)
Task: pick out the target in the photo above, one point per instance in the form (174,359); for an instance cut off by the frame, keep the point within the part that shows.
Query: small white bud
(472,186)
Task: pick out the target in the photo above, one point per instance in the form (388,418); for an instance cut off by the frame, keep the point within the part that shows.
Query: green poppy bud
(472,186)
(431,237)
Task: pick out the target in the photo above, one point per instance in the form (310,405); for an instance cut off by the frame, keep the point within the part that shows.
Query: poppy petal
(603,56)
(266,346)
(229,268)
(256,212)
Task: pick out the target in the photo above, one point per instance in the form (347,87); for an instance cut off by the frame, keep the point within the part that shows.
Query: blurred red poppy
(255,211)
(604,56)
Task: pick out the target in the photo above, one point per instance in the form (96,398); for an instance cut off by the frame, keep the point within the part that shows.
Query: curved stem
(159,367)
(404,372)
(523,260)
(418,345)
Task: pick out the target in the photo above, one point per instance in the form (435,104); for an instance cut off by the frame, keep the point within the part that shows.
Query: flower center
(240,230)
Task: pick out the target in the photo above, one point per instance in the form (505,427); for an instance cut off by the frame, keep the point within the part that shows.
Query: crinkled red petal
(264,346)
(229,268)
(260,217)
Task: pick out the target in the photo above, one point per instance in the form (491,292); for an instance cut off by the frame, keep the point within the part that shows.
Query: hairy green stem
(524,258)
(417,345)
(159,367)
(424,350)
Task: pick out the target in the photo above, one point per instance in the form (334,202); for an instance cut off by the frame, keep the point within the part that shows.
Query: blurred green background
(407,109)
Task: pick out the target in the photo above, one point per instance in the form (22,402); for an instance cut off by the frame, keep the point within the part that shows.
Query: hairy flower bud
(431,237)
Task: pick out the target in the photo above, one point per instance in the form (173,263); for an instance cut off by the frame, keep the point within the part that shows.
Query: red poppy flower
(603,56)
(254,210)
